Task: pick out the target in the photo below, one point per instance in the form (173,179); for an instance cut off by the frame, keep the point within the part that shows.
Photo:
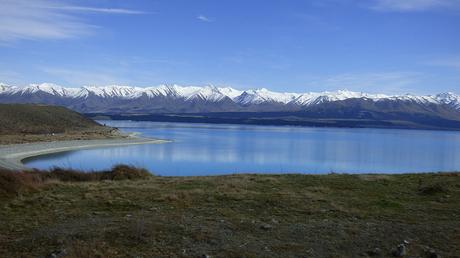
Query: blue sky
(385,46)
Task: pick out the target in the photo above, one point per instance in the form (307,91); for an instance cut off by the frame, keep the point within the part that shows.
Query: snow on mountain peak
(230,92)
(49,88)
(449,98)
(209,93)
(45,87)
(114,91)
(317,98)
(264,95)
(4,87)
(214,94)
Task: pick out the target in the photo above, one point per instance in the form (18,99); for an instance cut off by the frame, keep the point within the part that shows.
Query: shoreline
(11,156)
(209,118)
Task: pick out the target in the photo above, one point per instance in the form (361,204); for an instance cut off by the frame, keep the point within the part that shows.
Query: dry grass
(24,123)
(14,183)
(41,119)
(234,216)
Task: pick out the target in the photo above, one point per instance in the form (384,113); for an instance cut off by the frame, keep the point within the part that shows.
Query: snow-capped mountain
(265,96)
(448,98)
(4,87)
(175,98)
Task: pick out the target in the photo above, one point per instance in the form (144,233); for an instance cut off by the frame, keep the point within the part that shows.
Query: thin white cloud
(45,19)
(451,62)
(84,77)
(412,5)
(10,77)
(390,82)
(203,18)
(97,10)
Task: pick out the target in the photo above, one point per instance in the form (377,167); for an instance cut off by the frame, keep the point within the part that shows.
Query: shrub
(124,172)
(15,182)
(69,175)
(432,189)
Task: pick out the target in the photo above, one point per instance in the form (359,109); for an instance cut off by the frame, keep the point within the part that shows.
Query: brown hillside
(28,122)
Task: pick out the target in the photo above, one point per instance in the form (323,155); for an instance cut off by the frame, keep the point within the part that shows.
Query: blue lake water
(208,149)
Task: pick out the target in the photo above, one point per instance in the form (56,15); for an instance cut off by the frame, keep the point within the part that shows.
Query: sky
(375,46)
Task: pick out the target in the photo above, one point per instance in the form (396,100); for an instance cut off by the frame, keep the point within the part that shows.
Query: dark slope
(358,112)
(347,113)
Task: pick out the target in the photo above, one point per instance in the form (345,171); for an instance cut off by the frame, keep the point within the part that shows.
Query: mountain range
(164,98)
(226,102)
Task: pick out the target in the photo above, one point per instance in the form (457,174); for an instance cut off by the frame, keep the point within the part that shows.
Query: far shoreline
(12,156)
(270,119)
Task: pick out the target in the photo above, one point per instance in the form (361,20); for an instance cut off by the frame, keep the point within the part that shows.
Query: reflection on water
(203,149)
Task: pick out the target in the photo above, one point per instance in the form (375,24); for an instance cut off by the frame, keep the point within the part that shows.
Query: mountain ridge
(210,94)
(209,104)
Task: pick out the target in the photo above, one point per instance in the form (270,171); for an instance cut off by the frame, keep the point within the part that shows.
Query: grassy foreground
(127,213)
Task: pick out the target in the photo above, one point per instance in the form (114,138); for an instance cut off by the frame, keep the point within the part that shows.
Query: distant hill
(357,113)
(25,122)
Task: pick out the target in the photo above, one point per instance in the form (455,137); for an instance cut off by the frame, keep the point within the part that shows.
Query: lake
(210,149)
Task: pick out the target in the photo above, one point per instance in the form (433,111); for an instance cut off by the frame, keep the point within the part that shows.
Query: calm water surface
(208,149)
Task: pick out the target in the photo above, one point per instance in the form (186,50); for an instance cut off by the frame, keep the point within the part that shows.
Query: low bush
(15,182)
(433,189)
(12,182)
(124,172)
